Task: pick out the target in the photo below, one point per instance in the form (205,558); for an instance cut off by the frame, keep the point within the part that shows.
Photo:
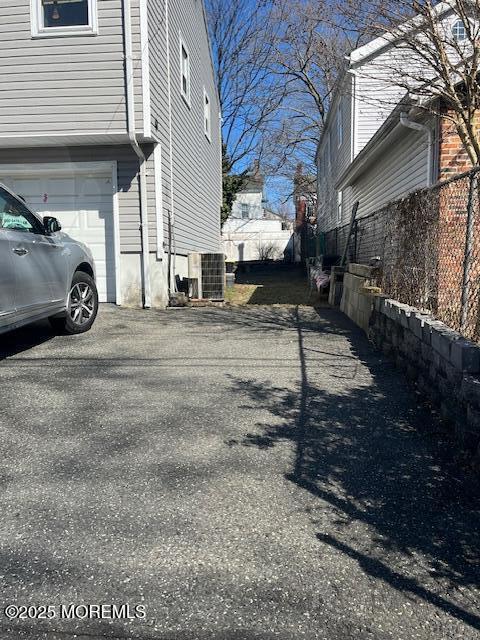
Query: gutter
(371,149)
(365,157)
(416,126)
(130,97)
(353,120)
(171,217)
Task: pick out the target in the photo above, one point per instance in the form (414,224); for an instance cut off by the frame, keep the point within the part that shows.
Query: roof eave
(374,147)
(367,50)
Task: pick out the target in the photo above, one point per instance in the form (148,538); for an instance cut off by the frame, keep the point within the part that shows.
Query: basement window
(184,72)
(207,116)
(64,17)
(339,206)
(339,127)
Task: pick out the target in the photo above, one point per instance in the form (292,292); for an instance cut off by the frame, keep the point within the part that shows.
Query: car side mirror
(51,224)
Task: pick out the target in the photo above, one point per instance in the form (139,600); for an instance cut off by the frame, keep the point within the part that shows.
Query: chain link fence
(428,248)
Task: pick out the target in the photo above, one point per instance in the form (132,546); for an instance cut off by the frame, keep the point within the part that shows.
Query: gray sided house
(109,120)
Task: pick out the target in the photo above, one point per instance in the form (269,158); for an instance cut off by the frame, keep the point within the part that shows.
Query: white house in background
(365,99)
(109,121)
(249,203)
(253,231)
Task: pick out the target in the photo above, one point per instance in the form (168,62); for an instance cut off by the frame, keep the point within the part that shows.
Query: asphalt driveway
(241,473)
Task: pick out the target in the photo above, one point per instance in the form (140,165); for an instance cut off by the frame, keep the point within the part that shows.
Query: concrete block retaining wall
(358,294)
(444,365)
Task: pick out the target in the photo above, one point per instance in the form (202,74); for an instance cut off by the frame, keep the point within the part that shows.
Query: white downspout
(416,126)
(171,240)
(130,97)
(353,120)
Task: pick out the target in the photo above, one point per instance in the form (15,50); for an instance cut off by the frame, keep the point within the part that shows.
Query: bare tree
(277,62)
(242,36)
(436,65)
(309,55)
(267,251)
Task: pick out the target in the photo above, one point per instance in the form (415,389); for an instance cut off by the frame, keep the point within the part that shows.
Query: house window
(339,127)
(245,211)
(207,115)
(339,206)
(185,72)
(328,162)
(64,17)
(459,32)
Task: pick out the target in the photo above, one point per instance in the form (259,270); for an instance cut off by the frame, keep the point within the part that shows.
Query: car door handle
(20,251)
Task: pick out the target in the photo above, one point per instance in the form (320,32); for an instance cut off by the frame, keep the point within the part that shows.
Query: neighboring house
(305,200)
(253,231)
(369,151)
(396,161)
(250,201)
(252,240)
(109,120)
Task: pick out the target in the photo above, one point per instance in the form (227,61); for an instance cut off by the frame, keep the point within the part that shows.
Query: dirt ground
(276,284)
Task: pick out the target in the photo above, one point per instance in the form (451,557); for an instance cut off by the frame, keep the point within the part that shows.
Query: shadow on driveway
(24,339)
(377,462)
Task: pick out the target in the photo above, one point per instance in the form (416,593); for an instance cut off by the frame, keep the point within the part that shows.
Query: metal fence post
(355,241)
(468,254)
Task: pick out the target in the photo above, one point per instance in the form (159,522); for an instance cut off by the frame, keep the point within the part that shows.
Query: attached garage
(82,196)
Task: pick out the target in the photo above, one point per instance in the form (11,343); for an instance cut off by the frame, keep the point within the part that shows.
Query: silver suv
(43,272)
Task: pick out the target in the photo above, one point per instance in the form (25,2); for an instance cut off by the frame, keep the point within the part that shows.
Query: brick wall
(454,160)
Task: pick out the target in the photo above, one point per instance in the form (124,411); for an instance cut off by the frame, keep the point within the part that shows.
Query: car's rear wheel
(82,306)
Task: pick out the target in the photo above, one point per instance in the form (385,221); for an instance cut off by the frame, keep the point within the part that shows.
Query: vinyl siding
(128,187)
(64,85)
(382,82)
(196,161)
(159,101)
(401,167)
(340,156)
(376,96)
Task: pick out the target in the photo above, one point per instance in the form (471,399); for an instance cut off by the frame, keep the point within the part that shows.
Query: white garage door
(83,203)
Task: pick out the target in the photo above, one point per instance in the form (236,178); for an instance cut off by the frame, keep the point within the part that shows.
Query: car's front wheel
(82,306)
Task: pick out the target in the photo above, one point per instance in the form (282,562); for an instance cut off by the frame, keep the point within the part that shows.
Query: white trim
(157,160)
(145,55)
(390,37)
(186,96)
(64,168)
(109,169)
(115,136)
(143,195)
(354,118)
(39,31)
(84,134)
(116,235)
